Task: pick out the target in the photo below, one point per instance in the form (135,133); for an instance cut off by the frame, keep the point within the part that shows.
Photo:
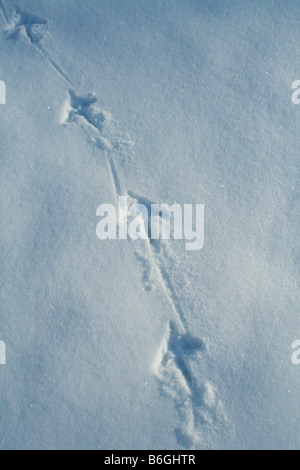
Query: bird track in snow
(29,25)
(84,110)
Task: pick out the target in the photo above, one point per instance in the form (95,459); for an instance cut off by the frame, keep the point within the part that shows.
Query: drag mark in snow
(114,176)
(3,11)
(54,64)
(28,25)
(154,248)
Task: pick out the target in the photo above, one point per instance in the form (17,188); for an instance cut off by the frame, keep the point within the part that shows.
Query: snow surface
(127,344)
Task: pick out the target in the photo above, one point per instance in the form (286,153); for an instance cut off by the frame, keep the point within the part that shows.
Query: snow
(122,344)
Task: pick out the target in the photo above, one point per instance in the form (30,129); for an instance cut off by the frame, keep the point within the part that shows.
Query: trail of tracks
(196,403)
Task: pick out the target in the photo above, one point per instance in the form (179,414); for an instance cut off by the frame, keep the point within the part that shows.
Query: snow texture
(123,344)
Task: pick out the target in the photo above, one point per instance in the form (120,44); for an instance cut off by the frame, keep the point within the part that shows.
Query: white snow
(122,344)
